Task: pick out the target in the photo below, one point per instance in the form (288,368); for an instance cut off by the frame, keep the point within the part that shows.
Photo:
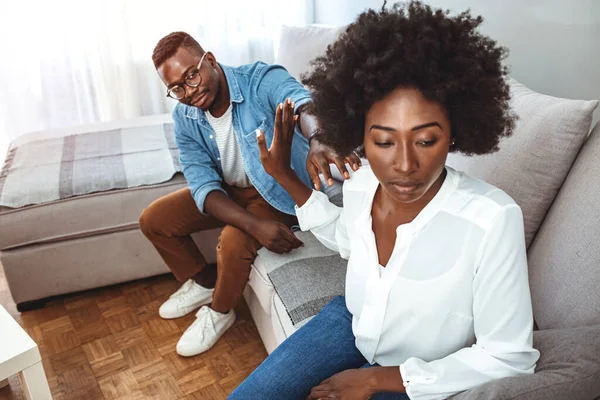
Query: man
(219,109)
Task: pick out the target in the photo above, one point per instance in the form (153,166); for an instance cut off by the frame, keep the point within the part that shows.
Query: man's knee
(150,221)
(144,222)
(236,243)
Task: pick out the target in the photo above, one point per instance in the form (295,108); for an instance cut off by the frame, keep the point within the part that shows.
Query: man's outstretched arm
(276,87)
(321,156)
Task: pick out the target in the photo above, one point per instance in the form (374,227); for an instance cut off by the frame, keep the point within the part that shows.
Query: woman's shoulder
(480,190)
(362,180)
(360,187)
(479,199)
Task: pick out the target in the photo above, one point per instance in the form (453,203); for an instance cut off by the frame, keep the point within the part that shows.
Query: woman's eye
(383,144)
(427,143)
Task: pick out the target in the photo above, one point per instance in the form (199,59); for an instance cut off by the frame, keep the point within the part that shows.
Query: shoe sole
(227,326)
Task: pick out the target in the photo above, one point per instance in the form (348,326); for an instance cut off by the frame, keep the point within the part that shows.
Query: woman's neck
(406,212)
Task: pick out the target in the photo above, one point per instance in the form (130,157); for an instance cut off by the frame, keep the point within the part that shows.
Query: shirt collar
(235,94)
(435,205)
(427,213)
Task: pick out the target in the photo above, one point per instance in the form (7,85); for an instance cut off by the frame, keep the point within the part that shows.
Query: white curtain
(66,62)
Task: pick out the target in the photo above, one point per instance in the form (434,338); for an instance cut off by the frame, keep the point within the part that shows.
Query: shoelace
(185,292)
(186,295)
(200,320)
(183,289)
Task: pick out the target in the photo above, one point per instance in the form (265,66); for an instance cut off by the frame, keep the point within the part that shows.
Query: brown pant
(169,221)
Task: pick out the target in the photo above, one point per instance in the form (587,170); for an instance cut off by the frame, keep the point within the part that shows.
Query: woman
(437,297)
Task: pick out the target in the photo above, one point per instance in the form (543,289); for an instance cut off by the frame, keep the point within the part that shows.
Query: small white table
(19,354)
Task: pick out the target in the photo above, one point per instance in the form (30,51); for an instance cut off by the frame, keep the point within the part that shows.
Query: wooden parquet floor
(110,343)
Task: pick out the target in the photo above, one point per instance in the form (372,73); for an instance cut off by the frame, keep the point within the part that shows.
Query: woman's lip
(405,188)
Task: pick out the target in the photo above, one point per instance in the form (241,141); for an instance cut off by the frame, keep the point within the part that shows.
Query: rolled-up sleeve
(198,168)
(503,320)
(326,221)
(275,85)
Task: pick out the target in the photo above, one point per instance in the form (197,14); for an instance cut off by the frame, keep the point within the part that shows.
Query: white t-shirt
(452,307)
(234,173)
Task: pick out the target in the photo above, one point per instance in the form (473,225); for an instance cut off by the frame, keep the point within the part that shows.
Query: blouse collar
(427,213)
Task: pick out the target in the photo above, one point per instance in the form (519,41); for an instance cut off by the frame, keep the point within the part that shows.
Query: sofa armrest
(568,368)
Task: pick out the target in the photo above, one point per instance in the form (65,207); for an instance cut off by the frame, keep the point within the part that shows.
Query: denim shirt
(255,90)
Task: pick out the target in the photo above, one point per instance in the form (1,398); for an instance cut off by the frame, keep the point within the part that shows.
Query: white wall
(554,44)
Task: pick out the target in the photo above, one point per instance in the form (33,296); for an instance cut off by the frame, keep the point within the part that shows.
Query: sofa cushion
(564,260)
(568,368)
(80,216)
(533,163)
(299,45)
(305,279)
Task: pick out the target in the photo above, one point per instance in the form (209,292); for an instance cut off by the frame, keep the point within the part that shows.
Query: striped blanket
(57,168)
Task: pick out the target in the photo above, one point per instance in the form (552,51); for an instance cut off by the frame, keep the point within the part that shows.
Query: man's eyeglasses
(194,79)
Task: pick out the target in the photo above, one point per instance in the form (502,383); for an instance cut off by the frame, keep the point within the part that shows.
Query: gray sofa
(550,167)
(84,241)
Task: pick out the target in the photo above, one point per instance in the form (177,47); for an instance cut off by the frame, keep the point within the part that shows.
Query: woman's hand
(276,160)
(352,384)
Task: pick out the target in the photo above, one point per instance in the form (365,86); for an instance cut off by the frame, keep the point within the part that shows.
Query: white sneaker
(204,332)
(189,297)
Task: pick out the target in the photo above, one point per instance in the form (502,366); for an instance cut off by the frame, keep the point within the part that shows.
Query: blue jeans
(320,349)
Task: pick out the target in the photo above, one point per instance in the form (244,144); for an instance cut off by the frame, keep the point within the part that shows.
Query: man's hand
(319,158)
(352,384)
(275,236)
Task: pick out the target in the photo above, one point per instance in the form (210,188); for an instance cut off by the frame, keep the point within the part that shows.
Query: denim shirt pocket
(262,125)
(250,139)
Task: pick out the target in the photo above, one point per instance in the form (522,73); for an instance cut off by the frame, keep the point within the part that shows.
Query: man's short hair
(168,46)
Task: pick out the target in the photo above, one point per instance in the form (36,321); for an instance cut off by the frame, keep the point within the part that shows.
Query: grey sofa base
(267,310)
(86,263)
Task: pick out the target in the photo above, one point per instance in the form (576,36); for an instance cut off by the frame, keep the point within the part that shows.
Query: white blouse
(452,307)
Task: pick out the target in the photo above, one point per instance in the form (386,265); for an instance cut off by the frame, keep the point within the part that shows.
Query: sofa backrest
(298,46)
(564,259)
(533,163)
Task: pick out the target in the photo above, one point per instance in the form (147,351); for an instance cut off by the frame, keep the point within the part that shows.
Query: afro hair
(412,45)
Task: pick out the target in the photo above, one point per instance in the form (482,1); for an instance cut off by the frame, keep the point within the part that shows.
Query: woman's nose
(406,159)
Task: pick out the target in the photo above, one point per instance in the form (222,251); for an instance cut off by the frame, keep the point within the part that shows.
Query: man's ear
(211,58)
(159,71)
